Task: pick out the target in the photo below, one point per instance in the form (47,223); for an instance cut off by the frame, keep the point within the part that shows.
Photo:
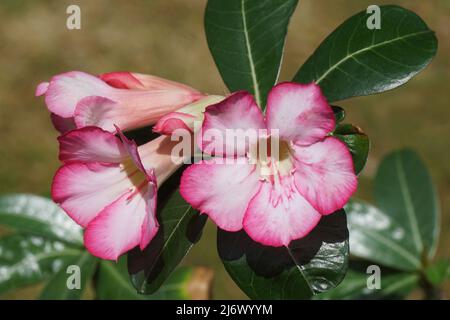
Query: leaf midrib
(250,54)
(358,52)
(406,196)
(169,238)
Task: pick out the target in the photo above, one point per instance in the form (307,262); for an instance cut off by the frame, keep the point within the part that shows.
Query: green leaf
(378,238)
(354,286)
(180,228)
(439,272)
(357,142)
(40,216)
(356,61)
(26,260)
(308,266)
(57,289)
(405,192)
(246,39)
(339,114)
(113,283)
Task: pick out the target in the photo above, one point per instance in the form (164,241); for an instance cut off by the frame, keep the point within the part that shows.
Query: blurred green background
(166,38)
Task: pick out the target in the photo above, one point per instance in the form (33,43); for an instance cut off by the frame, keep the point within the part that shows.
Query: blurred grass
(166,38)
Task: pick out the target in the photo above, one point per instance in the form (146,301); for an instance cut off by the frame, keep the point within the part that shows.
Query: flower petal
(90,144)
(300,112)
(150,225)
(96,111)
(174,121)
(238,111)
(222,191)
(84,189)
(62,124)
(324,174)
(275,222)
(41,89)
(118,227)
(121,80)
(67,89)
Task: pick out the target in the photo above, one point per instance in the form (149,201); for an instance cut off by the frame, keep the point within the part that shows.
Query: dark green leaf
(114,283)
(356,61)
(438,272)
(40,216)
(357,142)
(405,192)
(375,236)
(308,266)
(180,228)
(26,260)
(57,289)
(246,39)
(339,113)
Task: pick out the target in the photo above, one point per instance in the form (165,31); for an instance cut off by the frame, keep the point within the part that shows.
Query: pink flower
(128,100)
(108,186)
(275,200)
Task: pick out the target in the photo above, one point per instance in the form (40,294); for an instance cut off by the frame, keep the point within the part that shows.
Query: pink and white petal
(84,189)
(67,89)
(222,191)
(95,111)
(300,112)
(174,121)
(324,174)
(237,114)
(41,89)
(118,227)
(150,225)
(62,124)
(275,221)
(132,150)
(90,144)
(150,82)
(121,80)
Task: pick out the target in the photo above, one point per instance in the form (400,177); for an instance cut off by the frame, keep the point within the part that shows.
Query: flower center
(273,158)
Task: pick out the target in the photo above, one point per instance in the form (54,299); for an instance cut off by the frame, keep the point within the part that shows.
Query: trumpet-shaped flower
(108,185)
(275,199)
(128,100)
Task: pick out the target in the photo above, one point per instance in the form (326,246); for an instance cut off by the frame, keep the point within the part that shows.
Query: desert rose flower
(128,100)
(274,199)
(108,185)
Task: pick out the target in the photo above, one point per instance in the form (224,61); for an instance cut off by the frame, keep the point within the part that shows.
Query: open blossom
(128,100)
(275,199)
(108,185)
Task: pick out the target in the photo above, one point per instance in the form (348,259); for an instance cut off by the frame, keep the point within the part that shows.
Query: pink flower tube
(108,185)
(128,100)
(274,199)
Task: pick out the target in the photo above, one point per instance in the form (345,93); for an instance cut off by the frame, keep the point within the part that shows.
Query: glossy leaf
(57,287)
(357,61)
(26,260)
(40,216)
(308,266)
(246,39)
(184,283)
(180,228)
(357,142)
(378,238)
(405,192)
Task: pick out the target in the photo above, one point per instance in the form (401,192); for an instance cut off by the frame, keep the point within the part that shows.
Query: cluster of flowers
(108,184)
